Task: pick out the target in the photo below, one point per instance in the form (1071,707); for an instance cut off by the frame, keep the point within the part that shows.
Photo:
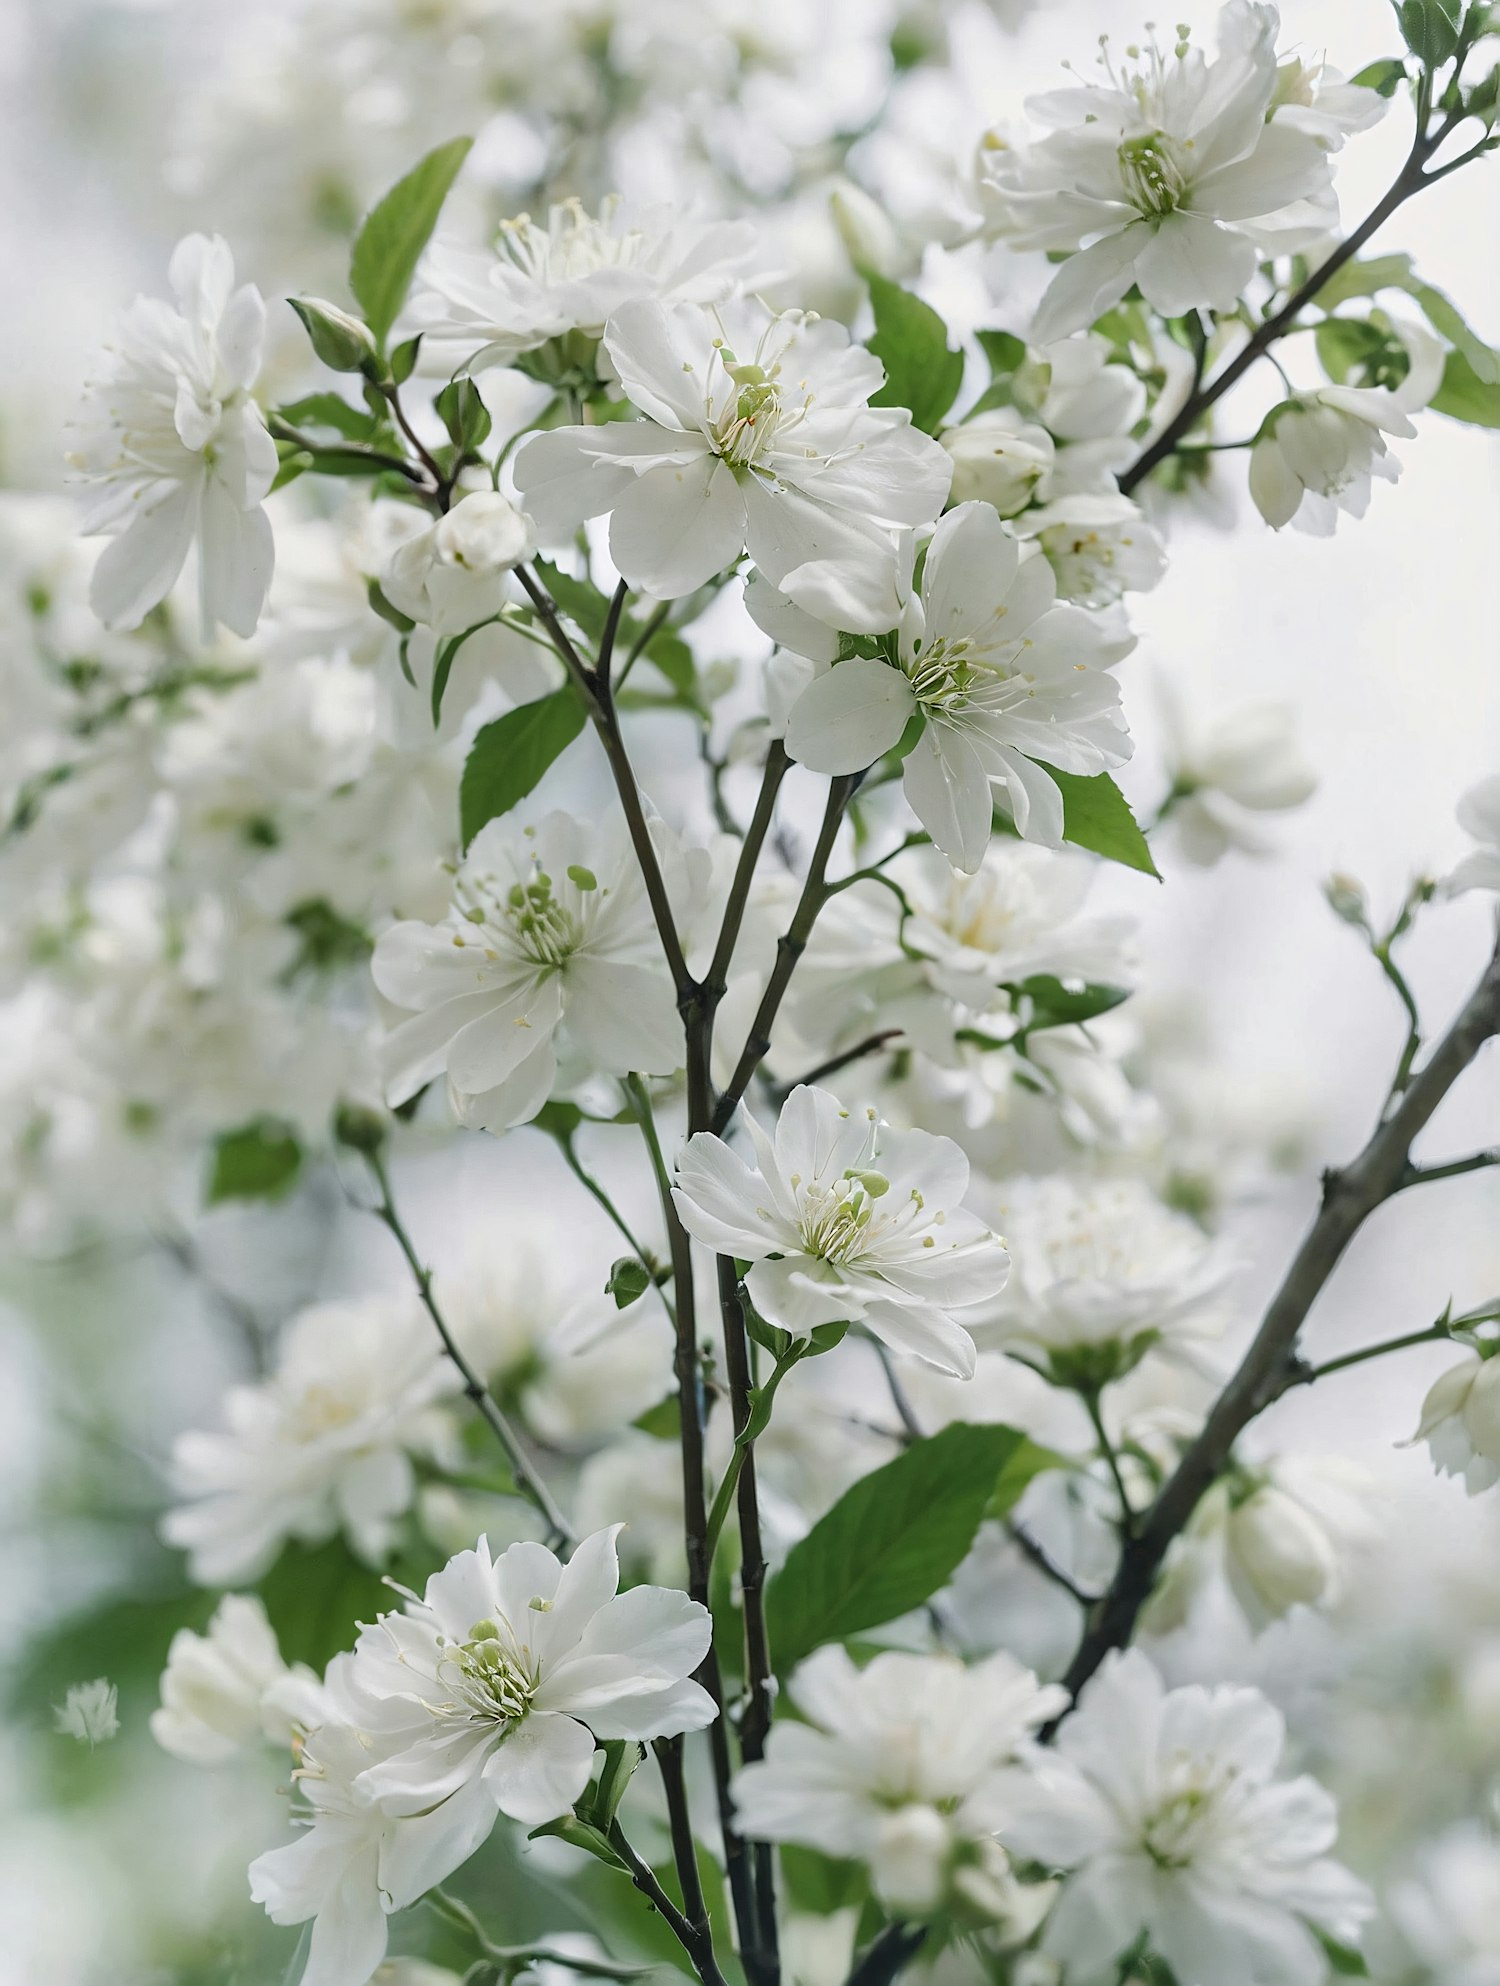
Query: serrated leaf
(389,244)
(911,342)
(1430,28)
(1097,816)
(260,1161)
(509,757)
(1463,396)
(889,1543)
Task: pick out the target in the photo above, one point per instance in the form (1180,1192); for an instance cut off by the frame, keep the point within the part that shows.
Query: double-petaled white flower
(1229,768)
(1003,680)
(324,1445)
(452,576)
(486,308)
(756,435)
(177,451)
(508,1671)
(547,967)
(1103,1273)
(1165,1808)
(903,1765)
(846,1221)
(1172,172)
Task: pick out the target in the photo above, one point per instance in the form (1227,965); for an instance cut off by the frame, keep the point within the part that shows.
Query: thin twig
(883,1960)
(1349,1198)
(528,1482)
(697,1945)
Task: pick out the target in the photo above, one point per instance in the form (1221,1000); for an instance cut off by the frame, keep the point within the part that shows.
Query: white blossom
(1461,1421)
(846,1220)
(1004,681)
(509,1671)
(229,1688)
(177,451)
(1099,545)
(1316,455)
(453,575)
(1103,1273)
(1171,174)
(324,1445)
(483,308)
(1479,817)
(999,458)
(1227,769)
(547,968)
(89,1712)
(902,1765)
(1166,1809)
(756,435)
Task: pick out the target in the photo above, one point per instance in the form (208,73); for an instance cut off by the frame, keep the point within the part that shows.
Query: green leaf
(447,655)
(580,1834)
(1346,345)
(402,623)
(663,1421)
(629,1280)
(1446,319)
(1464,396)
(820,1884)
(316,1599)
(1384,77)
(509,757)
(1365,279)
(1430,28)
(1004,350)
(389,244)
(1343,1960)
(601,1803)
(669,653)
(1057,1005)
(579,599)
(260,1161)
(1026,1461)
(889,1542)
(329,410)
(464,414)
(911,342)
(1097,816)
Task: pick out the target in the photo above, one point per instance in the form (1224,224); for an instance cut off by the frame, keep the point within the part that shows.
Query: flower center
(841,1220)
(1174,1834)
(493,1679)
(1152,174)
(546,930)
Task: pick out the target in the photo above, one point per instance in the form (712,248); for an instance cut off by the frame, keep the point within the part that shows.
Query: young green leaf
(629,1280)
(1446,319)
(1464,396)
(1343,1960)
(1056,1005)
(396,230)
(1384,77)
(1097,816)
(889,1542)
(508,757)
(260,1161)
(911,342)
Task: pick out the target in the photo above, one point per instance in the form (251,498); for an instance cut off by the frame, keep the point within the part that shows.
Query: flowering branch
(1411,179)
(1349,1198)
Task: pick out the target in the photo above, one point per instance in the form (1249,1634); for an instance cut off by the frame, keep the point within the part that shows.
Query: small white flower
(1317,454)
(1166,1808)
(510,1670)
(323,1445)
(1479,816)
(1446,1913)
(452,576)
(1004,681)
(845,1220)
(902,1765)
(999,458)
(756,435)
(1102,1274)
(1461,1422)
(1099,546)
(1172,172)
(548,967)
(177,450)
(1228,767)
(89,1712)
(224,1690)
(546,283)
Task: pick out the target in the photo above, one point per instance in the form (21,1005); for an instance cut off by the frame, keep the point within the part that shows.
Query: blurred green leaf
(510,756)
(911,342)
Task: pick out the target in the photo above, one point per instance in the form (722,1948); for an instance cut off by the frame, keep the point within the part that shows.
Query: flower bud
(342,342)
(451,576)
(1278,1556)
(865,230)
(998,458)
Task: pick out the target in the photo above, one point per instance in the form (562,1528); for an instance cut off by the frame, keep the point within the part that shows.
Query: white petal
(949,791)
(678,527)
(138,569)
(845,720)
(1089,283)
(540,1768)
